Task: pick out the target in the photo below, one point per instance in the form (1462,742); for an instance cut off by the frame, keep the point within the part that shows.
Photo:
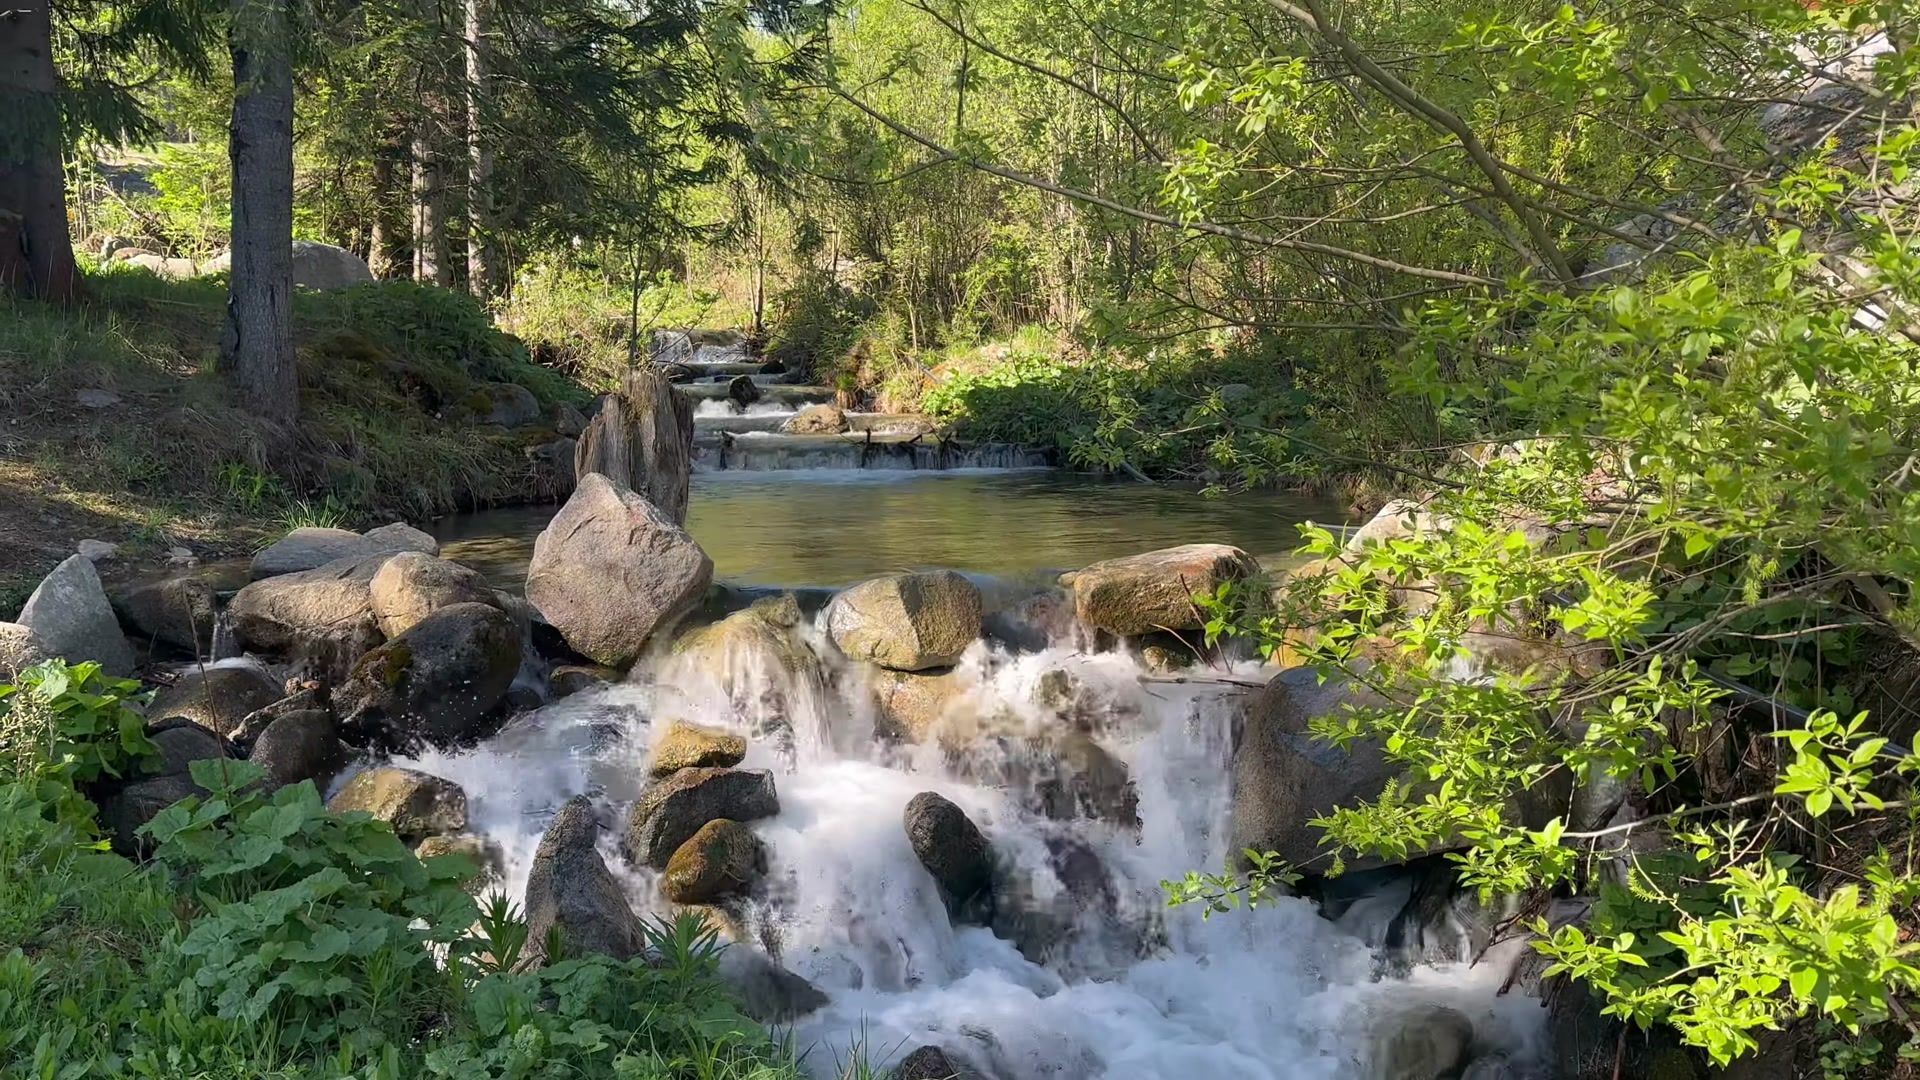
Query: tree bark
(642,439)
(257,349)
(432,251)
(36,251)
(483,258)
(389,254)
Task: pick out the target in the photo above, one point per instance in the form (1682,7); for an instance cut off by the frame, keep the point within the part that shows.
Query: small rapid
(1082,971)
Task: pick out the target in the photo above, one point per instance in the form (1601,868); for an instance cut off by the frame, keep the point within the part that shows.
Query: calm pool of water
(792,528)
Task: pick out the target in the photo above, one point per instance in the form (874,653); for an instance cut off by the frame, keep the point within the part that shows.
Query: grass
(119,428)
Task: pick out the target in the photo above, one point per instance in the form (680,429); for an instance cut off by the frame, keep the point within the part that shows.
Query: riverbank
(119,429)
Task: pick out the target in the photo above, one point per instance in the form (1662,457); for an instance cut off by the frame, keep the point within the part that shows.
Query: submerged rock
(611,569)
(312,547)
(766,991)
(20,649)
(218,697)
(570,890)
(1139,594)
(907,622)
(127,805)
(692,746)
(954,851)
(670,812)
(723,858)
(416,804)
(72,619)
(1430,1042)
(436,684)
(301,745)
(914,706)
(756,661)
(412,585)
(817,420)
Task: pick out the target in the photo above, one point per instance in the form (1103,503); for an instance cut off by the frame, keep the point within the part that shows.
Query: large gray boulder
(413,584)
(669,812)
(323,267)
(127,805)
(300,745)
(20,649)
(953,850)
(218,696)
(907,622)
(329,605)
(416,804)
(1283,777)
(570,889)
(178,612)
(506,405)
(71,616)
(435,684)
(1139,594)
(314,546)
(816,420)
(611,569)
(766,991)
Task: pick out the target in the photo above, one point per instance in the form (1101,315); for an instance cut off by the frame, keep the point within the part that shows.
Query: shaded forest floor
(117,427)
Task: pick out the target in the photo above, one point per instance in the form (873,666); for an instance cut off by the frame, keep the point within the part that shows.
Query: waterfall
(1084,972)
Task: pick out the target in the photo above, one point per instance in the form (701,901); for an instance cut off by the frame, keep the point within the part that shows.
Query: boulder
(570,679)
(723,858)
(764,990)
(323,267)
(1397,519)
(330,606)
(301,745)
(907,622)
(753,658)
(1139,594)
(1430,1042)
(485,855)
(610,570)
(567,421)
(928,1063)
(1080,905)
(412,585)
(219,696)
(20,649)
(914,706)
(97,551)
(953,850)
(816,420)
(694,746)
(178,612)
(416,804)
(436,684)
(1283,777)
(71,616)
(504,404)
(570,889)
(669,812)
(1084,780)
(743,391)
(312,547)
(127,805)
(162,266)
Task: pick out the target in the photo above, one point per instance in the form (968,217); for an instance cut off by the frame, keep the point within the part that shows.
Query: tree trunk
(389,254)
(257,349)
(642,439)
(36,251)
(483,258)
(432,252)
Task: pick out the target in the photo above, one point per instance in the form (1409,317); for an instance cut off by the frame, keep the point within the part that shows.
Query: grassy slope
(388,376)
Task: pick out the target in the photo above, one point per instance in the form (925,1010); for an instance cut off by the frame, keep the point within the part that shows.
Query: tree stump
(642,439)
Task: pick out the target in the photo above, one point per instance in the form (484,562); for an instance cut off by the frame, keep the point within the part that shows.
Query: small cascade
(1076,968)
(765,451)
(225,643)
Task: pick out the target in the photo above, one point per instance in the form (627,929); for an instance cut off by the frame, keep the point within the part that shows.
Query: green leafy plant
(63,728)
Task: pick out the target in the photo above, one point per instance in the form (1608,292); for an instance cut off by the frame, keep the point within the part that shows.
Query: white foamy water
(1124,988)
(723,407)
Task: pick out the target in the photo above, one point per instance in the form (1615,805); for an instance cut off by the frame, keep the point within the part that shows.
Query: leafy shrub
(65,727)
(816,323)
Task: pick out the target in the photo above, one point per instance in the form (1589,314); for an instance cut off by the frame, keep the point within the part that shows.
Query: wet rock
(723,858)
(217,697)
(412,585)
(416,804)
(1035,622)
(70,615)
(929,1063)
(953,850)
(756,661)
(766,991)
(907,622)
(1283,777)
(694,746)
(570,890)
(743,391)
(302,696)
(669,812)
(1430,1042)
(914,706)
(1087,781)
(127,805)
(329,608)
(1163,660)
(817,420)
(313,547)
(436,684)
(570,679)
(611,570)
(1044,924)
(178,612)
(20,649)
(1139,594)
(505,404)
(486,856)
(302,745)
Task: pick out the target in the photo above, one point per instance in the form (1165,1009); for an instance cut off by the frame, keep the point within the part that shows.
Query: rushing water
(792,528)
